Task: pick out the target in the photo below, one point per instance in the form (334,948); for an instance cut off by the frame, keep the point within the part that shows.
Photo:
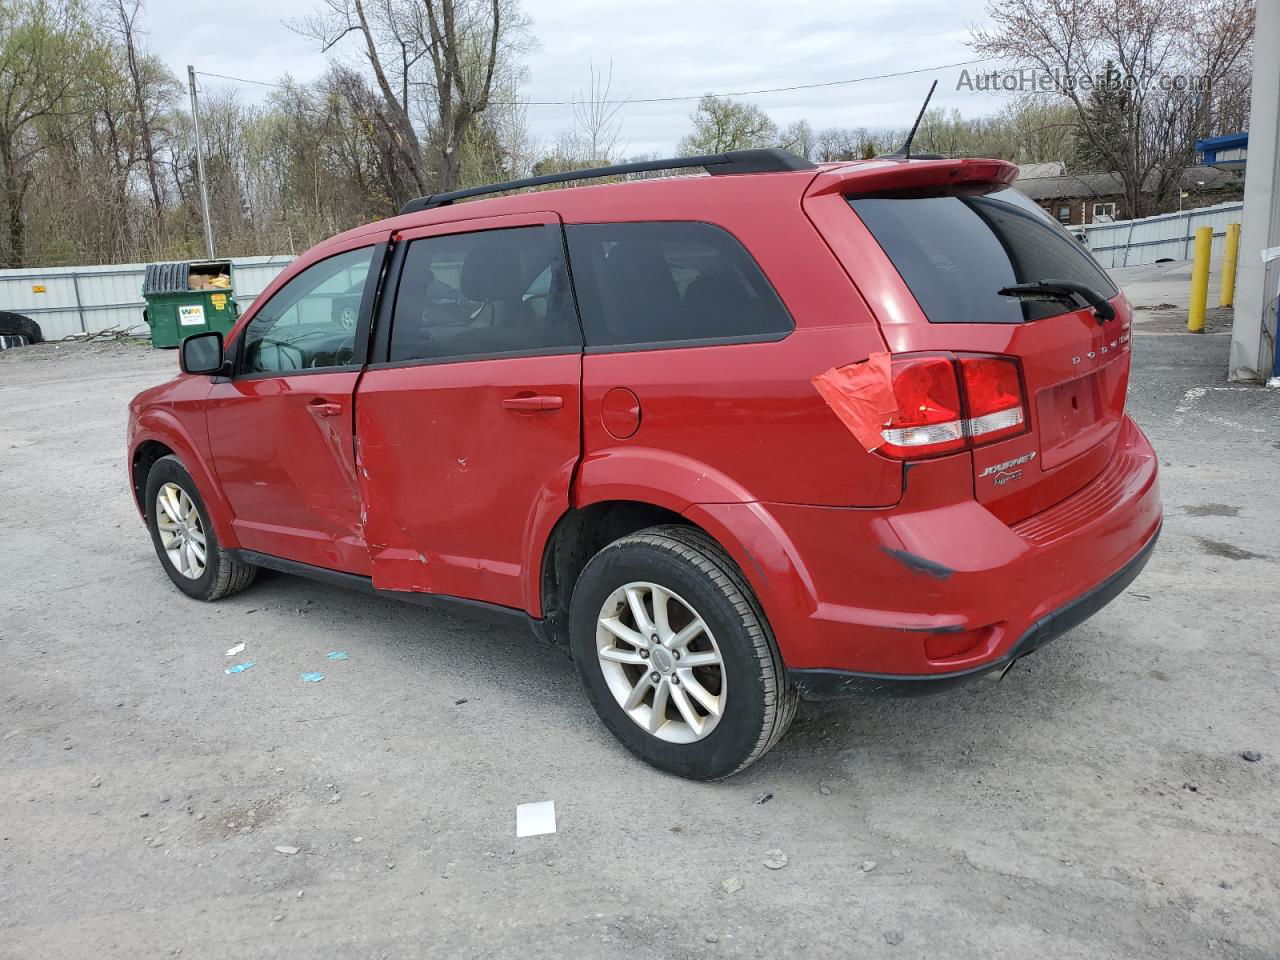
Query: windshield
(956,253)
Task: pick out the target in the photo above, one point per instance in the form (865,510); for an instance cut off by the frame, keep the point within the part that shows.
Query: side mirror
(201,353)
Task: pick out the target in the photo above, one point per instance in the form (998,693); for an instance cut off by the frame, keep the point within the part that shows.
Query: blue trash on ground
(239,667)
(338,655)
(312,677)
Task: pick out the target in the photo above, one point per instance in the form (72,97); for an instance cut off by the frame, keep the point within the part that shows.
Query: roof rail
(769,160)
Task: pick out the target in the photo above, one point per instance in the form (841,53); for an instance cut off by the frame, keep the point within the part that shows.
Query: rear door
(468,420)
(954,254)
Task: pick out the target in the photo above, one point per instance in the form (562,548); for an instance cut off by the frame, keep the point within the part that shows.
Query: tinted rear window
(655,283)
(956,252)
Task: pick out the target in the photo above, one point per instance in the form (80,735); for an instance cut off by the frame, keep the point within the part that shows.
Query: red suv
(784,430)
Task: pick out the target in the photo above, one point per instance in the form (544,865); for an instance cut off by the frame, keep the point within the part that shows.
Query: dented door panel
(465,455)
(456,484)
(288,468)
(281,434)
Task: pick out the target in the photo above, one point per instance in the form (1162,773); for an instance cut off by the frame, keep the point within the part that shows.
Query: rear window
(955,253)
(669,282)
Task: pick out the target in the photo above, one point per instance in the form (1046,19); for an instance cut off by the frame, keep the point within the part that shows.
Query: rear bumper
(824,684)
(934,591)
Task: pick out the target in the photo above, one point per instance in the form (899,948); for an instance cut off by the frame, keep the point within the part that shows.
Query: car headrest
(493,270)
(645,298)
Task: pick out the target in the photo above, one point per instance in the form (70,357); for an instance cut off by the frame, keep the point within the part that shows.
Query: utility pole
(1254,326)
(204,186)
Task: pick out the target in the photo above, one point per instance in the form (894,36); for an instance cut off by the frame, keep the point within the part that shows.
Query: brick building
(1099,197)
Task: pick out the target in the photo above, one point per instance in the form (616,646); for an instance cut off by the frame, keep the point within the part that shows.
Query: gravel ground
(1095,804)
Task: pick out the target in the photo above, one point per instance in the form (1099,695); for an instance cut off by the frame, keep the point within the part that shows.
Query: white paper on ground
(533,819)
(238,648)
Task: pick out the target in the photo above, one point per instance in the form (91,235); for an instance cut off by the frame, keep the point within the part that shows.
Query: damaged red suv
(780,431)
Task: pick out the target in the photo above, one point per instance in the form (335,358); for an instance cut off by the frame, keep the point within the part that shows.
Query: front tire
(676,655)
(184,539)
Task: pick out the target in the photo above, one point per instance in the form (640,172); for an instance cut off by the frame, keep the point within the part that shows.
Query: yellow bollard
(1230,254)
(1199,279)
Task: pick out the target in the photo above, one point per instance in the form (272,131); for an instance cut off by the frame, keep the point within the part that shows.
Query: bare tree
(595,119)
(1170,56)
(842,143)
(391,51)
(799,138)
(151,90)
(468,43)
(435,64)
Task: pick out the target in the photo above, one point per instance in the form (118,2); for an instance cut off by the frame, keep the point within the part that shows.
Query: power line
(682,97)
(223,76)
(750,93)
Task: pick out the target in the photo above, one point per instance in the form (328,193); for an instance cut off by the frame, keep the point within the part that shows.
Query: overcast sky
(656,47)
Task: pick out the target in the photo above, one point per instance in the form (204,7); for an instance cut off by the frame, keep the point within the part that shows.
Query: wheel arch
(158,435)
(688,491)
(747,532)
(577,536)
(145,455)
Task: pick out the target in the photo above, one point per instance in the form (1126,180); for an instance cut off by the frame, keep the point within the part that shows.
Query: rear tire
(705,720)
(184,539)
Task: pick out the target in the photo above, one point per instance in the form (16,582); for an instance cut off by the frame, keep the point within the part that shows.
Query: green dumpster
(186,298)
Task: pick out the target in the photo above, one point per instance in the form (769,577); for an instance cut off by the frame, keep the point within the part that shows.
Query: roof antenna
(904,151)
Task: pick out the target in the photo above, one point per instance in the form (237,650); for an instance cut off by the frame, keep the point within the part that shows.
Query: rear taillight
(993,392)
(930,418)
(948,403)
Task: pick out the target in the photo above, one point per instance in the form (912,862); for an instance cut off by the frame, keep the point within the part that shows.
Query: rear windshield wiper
(1063,291)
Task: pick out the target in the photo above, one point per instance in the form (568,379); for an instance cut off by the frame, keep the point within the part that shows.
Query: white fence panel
(1169,236)
(251,275)
(71,300)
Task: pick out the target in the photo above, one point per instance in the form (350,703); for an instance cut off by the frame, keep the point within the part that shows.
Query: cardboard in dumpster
(861,395)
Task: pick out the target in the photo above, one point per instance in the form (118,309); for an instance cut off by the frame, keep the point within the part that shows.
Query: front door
(468,415)
(281,428)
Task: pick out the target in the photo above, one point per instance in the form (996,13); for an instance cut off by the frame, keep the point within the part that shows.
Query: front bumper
(823,684)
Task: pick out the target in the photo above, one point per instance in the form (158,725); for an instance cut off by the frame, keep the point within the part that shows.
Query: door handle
(533,402)
(325,408)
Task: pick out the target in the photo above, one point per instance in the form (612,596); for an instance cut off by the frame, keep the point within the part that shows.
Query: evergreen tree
(1102,142)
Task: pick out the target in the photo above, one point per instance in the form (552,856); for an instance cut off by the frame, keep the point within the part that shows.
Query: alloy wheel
(181,531)
(661,662)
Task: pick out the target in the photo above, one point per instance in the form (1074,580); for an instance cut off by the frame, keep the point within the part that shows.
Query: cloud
(658,48)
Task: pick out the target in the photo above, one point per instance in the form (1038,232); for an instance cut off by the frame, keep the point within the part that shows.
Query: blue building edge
(1228,150)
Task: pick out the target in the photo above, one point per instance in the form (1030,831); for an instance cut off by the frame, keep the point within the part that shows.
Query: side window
(484,293)
(310,322)
(641,283)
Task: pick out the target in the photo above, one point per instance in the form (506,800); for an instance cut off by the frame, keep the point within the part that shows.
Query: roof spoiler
(960,175)
(770,160)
